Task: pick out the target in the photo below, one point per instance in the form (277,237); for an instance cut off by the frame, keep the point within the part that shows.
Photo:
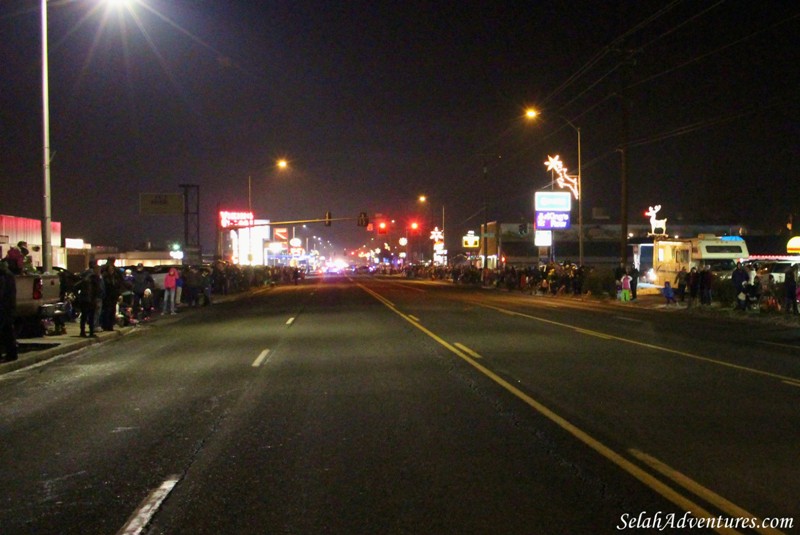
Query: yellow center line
(628,466)
(640,344)
(467,350)
(724,505)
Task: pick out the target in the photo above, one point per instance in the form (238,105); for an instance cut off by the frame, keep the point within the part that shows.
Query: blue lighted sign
(552,201)
(552,220)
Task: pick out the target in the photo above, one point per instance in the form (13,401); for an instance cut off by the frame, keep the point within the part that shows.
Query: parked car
(38,299)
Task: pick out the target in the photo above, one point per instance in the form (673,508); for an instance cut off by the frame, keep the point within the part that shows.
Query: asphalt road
(386,406)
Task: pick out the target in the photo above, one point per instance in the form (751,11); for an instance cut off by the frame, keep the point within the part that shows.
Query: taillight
(37,288)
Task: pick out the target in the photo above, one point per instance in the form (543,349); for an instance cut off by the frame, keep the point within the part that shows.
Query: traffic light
(363,220)
(328,218)
(383,228)
(523,229)
(414,227)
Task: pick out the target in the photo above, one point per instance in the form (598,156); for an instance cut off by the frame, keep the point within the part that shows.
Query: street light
(47,214)
(532,114)
(424,199)
(280,164)
(47,252)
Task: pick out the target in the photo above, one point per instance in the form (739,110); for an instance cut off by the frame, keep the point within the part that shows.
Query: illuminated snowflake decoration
(563,180)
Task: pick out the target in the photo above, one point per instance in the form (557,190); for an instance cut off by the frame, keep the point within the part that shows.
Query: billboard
(161,204)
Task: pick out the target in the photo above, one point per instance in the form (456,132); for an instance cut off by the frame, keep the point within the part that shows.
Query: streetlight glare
(530,113)
(282,163)
(423,198)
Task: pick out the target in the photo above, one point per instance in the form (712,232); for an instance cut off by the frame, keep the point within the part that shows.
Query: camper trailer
(719,252)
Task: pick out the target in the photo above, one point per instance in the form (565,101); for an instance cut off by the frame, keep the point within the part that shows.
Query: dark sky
(374,102)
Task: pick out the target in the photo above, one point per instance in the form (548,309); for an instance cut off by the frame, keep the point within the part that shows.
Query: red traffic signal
(383,228)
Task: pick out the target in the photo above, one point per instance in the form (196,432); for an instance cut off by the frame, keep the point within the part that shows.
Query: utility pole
(485,233)
(627,61)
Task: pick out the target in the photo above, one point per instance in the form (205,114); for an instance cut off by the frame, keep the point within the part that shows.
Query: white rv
(719,252)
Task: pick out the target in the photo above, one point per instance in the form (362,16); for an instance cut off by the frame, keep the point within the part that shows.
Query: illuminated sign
(471,241)
(564,180)
(543,238)
(280,234)
(235,219)
(552,220)
(552,201)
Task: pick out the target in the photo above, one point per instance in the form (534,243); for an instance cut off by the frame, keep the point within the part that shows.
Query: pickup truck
(38,298)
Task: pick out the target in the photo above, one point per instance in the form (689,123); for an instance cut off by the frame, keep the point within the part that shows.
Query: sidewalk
(35,350)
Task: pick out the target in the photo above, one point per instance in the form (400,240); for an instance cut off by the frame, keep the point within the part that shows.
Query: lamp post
(532,114)
(47,252)
(424,199)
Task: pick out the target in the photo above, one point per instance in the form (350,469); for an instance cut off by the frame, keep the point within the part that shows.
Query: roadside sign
(552,201)
(280,234)
(470,241)
(543,238)
(552,220)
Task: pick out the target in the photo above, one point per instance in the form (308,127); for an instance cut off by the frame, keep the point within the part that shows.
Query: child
(147,304)
(669,293)
(625,282)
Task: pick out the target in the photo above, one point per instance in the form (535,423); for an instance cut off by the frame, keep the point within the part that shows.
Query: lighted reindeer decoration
(660,224)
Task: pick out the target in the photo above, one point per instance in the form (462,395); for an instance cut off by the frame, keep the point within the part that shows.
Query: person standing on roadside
(625,282)
(739,278)
(114,286)
(634,273)
(681,279)
(706,283)
(88,292)
(790,288)
(693,282)
(170,282)
(8,305)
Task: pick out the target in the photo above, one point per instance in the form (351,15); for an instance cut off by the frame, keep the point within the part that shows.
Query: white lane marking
(289,321)
(141,517)
(260,358)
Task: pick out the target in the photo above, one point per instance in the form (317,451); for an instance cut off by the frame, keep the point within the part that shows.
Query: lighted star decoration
(563,180)
(437,235)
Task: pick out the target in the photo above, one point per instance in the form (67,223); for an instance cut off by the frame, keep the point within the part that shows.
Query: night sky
(375,102)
